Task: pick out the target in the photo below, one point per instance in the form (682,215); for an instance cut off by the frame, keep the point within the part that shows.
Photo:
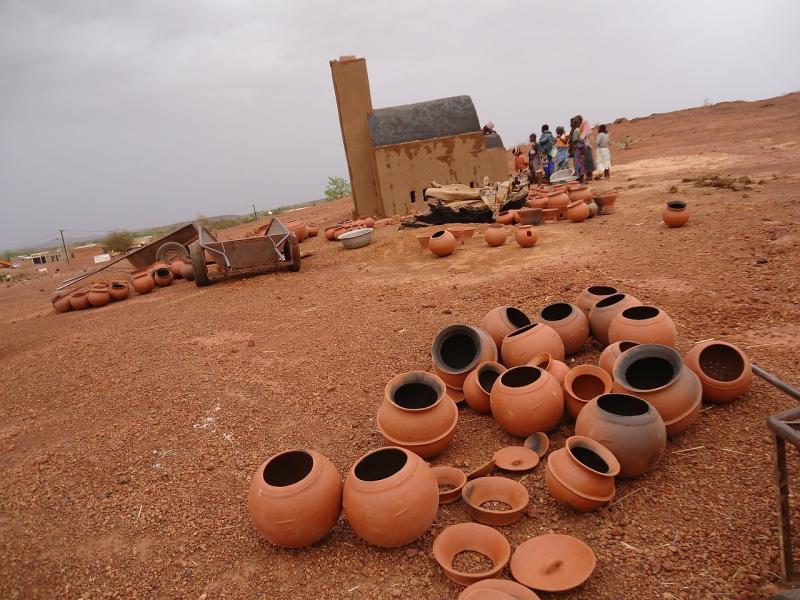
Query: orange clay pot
(61,302)
(300,230)
(457,349)
(473,537)
(175,267)
(525,400)
(495,489)
(478,385)
(657,374)
(295,498)
(340,230)
(187,270)
(581,475)
(495,235)
(591,295)
(577,211)
(369,222)
(119,290)
(329,233)
(612,352)
(582,384)
(523,344)
(502,320)
(505,217)
(98,295)
(676,213)
(723,369)
(390,497)
(442,243)
(557,200)
(580,193)
(604,311)
(569,322)
(556,368)
(313,230)
(608,199)
(143,283)
(497,589)
(526,236)
(163,277)
(538,202)
(643,324)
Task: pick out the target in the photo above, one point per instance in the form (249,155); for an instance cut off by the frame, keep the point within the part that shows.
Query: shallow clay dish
(511,588)
(449,476)
(516,458)
(538,442)
(495,489)
(471,537)
(482,471)
(553,562)
(486,594)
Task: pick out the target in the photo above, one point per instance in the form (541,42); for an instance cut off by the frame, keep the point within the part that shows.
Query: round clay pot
(569,322)
(556,368)
(527,399)
(295,498)
(523,344)
(98,295)
(300,230)
(119,290)
(471,537)
(369,222)
(390,497)
(510,590)
(582,384)
(505,217)
(577,211)
(156,265)
(329,234)
(604,311)
(61,302)
(608,199)
(442,243)
(339,231)
(612,352)
(656,373)
(723,369)
(526,236)
(313,230)
(580,193)
(676,213)
(538,202)
(558,199)
(553,562)
(175,268)
(457,350)
(142,282)
(643,324)
(628,426)
(495,235)
(163,277)
(502,320)
(495,489)
(417,414)
(581,474)
(454,479)
(593,294)
(478,385)
(187,270)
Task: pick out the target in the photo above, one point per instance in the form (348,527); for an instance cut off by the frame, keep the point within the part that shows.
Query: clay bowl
(462,232)
(482,471)
(506,587)
(495,489)
(516,458)
(449,476)
(475,538)
(424,239)
(538,442)
(553,562)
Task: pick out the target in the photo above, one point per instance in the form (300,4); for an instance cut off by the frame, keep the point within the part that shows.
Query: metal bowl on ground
(358,238)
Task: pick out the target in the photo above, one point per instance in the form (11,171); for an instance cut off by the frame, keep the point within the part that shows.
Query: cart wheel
(294,253)
(169,252)
(199,264)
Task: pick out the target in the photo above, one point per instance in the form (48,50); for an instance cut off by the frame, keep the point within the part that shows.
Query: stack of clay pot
(332,233)
(97,295)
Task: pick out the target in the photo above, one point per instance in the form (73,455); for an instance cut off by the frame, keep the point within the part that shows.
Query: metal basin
(357,238)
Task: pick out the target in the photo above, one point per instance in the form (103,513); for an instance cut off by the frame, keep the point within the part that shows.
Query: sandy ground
(129,434)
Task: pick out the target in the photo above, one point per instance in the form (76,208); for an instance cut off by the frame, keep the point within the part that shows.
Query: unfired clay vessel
(643,324)
(502,320)
(526,400)
(495,489)
(478,385)
(723,369)
(457,349)
(472,537)
(569,322)
(582,384)
(604,311)
(675,213)
(442,243)
(495,235)
(581,474)
(612,352)
(142,282)
(523,344)
(526,236)
(119,290)
(593,294)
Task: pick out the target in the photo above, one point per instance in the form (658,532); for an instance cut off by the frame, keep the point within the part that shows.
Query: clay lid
(510,588)
(516,458)
(482,471)
(449,476)
(538,442)
(553,562)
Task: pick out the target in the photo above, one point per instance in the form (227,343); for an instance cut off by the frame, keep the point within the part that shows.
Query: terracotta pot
(300,230)
(329,233)
(604,311)
(495,489)
(539,202)
(593,208)
(390,497)
(557,200)
(61,302)
(643,324)
(457,349)
(369,222)
(657,374)
(417,414)
(569,322)
(502,320)
(454,479)
(478,385)
(295,498)
(471,537)
(609,199)
(612,352)
(582,384)
(523,344)
(550,214)
(339,231)
(187,270)
(526,236)
(156,265)
(546,362)
(495,235)
(577,211)
(581,475)
(723,369)
(119,290)
(592,295)
(142,282)
(505,217)
(497,589)
(98,295)
(175,268)
(456,396)
(461,233)
(676,213)
(424,240)
(628,426)
(537,442)
(313,230)
(560,187)
(574,185)
(580,193)
(525,400)
(163,277)
(553,562)
(442,243)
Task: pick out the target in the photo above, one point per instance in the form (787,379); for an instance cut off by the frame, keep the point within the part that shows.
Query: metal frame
(277,232)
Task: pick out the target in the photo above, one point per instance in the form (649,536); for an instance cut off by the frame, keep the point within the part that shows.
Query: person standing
(535,160)
(562,149)
(547,143)
(520,161)
(603,152)
(588,154)
(577,148)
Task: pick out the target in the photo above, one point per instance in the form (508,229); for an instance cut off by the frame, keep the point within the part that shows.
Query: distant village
(82,256)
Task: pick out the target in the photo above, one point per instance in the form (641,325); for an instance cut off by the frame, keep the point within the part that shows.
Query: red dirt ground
(129,434)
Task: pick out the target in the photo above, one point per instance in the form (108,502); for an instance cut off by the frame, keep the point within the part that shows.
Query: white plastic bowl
(357,238)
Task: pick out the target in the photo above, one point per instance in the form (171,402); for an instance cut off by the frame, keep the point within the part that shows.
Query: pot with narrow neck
(581,475)
(675,213)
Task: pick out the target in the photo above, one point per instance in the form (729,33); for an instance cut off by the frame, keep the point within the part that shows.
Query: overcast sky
(133,113)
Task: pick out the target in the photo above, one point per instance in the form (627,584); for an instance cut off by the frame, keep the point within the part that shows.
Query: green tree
(118,240)
(338,187)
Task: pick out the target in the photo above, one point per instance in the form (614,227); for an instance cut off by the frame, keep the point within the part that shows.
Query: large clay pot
(604,311)
(313,230)
(478,385)
(442,243)
(163,277)
(505,217)
(390,497)
(569,322)
(417,414)
(457,349)
(538,202)
(577,211)
(119,290)
(142,282)
(98,295)
(557,200)
(656,373)
(592,295)
(526,236)
(523,344)
(580,193)
(582,384)
(556,368)
(676,213)
(643,324)
(628,426)
(581,474)
(527,399)
(295,498)
(61,302)
(502,320)
(187,270)
(612,352)
(495,235)
(723,369)
(175,268)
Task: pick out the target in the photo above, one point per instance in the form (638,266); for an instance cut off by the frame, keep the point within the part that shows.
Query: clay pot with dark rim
(556,368)
(313,230)
(478,385)
(442,243)
(505,217)
(495,489)
(643,324)
(723,369)
(454,479)
(522,344)
(457,349)
(592,295)
(526,236)
(581,475)
(676,213)
(390,497)
(143,282)
(295,498)
(163,277)
(582,384)
(495,235)
(553,562)
(417,414)
(497,589)
(657,374)
(628,426)
(604,311)
(156,265)
(119,290)
(175,268)
(612,352)
(569,322)
(61,302)
(471,537)
(580,193)
(98,295)
(527,399)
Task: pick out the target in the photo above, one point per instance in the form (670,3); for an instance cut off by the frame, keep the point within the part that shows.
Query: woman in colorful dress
(562,149)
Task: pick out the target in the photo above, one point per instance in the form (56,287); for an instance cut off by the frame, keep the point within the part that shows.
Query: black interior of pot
(677,204)
(602,290)
(610,301)
(721,362)
(623,405)
(520,376)
(522,330)
(624,346)
(415,395)
(590,458)
(458,350)
(381,464)
(486,378)
(640,313)
(288,468)
(557,311)
(438,234)
(517,317)
(649,373)
(163,272)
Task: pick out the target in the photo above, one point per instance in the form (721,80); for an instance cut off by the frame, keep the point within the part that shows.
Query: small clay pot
(581,475)
(556,368)
(119,290)
(550,214)
(580,193)
(339,230)
(553,562)
(143,282)
(478,385)
(569,322)
(643,324)
(558,199)
(471,537)
(538,202)
(175,268)
(523,344)
(604,311)
(526,236)
(505,217)
(300,230)
(516,458)
(390,497)
(723,369)
(676,213)
(502,320)
(369,222)
(456,479)
(527,399)
(495,235)
(495,489)
(329,234)
(163,277)
(187,270)
(461,233)
(295,498)
(313,230)
(61,302)
(98,295)
(442,243)
(423,240)
(577,211)
(457,350)
(582,384)
(156,265)
(612,352)
(592,295)
(609,199)
(497,589)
